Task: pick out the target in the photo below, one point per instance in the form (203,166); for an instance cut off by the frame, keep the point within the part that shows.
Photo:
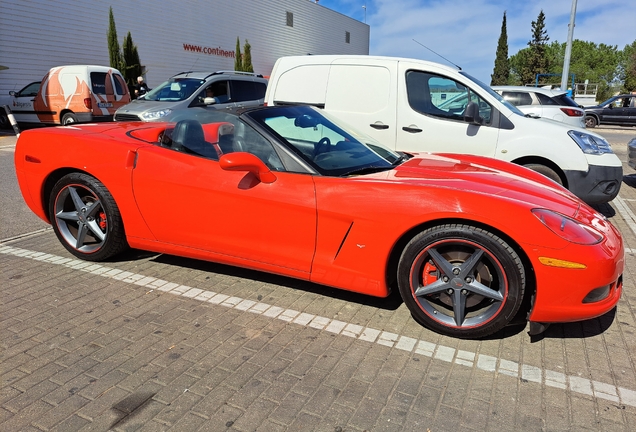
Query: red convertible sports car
(466,240)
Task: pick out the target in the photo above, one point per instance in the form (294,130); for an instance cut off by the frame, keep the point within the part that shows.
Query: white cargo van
(415,105)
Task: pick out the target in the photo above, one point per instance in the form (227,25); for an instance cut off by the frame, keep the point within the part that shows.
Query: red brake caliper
(429,274)
(102,220)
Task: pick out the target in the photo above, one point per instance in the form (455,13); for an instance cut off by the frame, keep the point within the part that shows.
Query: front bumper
(568,294)
(599,185)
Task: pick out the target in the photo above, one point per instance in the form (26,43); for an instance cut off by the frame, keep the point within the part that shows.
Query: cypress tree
(247,59)
(114,53)
(238,60)
(537,61)
(132,68)
(502,66)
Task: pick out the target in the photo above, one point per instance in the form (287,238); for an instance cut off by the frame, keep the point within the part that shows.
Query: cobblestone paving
(154,342)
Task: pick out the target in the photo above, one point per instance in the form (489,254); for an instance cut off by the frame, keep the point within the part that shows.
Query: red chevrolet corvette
(288,190)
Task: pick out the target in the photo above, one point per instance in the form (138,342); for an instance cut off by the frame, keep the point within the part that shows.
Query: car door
(247,93)
(428,120)
(22,104)
(190,201)
(616,112)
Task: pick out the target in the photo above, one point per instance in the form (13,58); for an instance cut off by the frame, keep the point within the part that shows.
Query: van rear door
(430,114)
(108,93)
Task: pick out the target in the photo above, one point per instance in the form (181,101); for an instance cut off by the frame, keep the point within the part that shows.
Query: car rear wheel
(85,218)
(590,122)
(69,118)
(546,171)
(461,281)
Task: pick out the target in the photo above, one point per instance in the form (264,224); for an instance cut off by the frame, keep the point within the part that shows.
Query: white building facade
(171,36)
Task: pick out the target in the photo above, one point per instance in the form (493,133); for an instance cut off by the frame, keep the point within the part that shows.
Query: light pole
(568,50)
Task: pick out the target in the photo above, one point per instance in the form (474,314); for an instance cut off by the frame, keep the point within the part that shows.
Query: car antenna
(457,66)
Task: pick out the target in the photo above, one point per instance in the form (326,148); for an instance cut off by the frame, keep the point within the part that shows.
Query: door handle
(379,126)
(411,129)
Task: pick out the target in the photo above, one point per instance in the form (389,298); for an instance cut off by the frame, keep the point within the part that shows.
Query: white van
(413,105)
(71,94)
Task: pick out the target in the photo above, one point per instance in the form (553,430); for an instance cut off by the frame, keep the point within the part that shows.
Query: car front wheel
(85,218)
(461,281)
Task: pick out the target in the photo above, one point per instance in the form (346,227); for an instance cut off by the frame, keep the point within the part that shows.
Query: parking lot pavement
(155,342)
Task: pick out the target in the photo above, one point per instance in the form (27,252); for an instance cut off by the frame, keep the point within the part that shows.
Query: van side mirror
(471,114)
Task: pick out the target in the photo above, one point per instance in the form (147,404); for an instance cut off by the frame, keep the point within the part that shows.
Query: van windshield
(494,94)
(174,90)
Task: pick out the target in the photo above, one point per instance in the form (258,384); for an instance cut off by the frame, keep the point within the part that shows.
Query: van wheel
(590,122)
(546,171)
(69,118)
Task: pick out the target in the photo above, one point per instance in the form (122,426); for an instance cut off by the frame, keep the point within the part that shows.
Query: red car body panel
(337,231)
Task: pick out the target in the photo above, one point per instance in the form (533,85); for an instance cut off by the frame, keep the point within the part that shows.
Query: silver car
(219,89)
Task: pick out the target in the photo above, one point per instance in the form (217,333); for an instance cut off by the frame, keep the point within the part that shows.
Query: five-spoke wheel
(85,218)
(461,281)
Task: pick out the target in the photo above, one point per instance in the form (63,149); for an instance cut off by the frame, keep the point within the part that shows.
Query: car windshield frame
(167,91)
(353,154)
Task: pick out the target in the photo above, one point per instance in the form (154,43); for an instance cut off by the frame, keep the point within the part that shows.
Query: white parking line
(439,352)
(626,213)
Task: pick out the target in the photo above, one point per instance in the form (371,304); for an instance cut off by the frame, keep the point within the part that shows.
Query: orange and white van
(71,94)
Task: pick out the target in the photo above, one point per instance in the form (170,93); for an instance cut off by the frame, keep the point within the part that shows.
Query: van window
(247,90)
(120,86)
(442,97)
(98,83)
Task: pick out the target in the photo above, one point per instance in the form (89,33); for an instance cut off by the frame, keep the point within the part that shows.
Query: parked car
(466,240)
(222,89)
(71,94)
(631,149)
(404,104)
(546,103)
(618,110)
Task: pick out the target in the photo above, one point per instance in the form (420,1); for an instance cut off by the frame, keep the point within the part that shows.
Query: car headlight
(590,144)
(567,228)
(155,115)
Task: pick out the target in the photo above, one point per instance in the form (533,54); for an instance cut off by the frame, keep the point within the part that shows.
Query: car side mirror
(471,114)
(12,93)
(209,101)
(242,161)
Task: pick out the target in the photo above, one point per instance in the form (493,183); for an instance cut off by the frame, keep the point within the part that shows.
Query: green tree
(114,53)
(501,72)
(537,60)
(247,57)
(628,66)
(238,59)
(132,68)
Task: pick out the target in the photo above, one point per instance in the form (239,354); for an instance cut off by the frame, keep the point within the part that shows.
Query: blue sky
(467,31)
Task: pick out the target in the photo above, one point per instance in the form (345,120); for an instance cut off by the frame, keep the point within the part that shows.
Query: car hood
(139,106)
(485,176)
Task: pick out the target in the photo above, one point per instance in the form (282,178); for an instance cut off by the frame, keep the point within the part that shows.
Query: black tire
(546,171)
(4,120)
(590,122)
(69,118)
(461,281)
(85,218)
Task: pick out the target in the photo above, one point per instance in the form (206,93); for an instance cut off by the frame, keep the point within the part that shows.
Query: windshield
(320,141)
(175,89)
(494,94)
